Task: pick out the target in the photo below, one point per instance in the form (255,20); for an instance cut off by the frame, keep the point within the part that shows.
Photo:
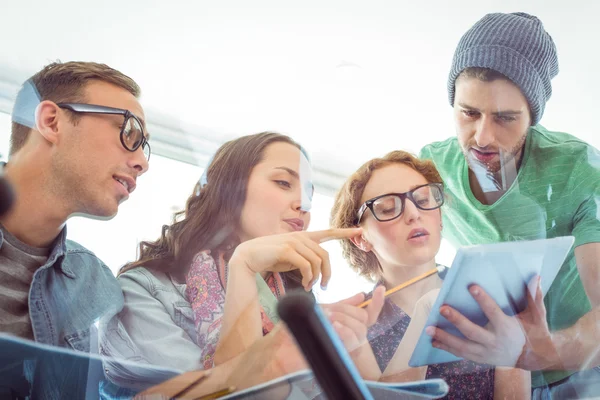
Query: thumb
(539,300)
(535,297)
(354,300)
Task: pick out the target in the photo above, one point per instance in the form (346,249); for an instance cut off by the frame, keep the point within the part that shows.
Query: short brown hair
(64,83)
(347,203)
(483,74)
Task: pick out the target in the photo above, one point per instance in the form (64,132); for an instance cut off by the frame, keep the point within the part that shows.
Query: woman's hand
(351,322)
(290,251)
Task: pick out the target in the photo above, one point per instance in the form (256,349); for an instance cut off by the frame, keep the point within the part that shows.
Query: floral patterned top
(206,282)
(466,379)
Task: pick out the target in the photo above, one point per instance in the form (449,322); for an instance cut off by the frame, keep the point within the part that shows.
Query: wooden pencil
(407,283)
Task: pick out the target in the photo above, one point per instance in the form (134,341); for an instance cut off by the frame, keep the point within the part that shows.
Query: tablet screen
(503,270)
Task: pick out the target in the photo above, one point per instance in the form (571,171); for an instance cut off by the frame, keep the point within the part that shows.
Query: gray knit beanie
(515,45)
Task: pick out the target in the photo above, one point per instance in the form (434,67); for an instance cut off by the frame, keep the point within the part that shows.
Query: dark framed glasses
(391,205)
(132,132)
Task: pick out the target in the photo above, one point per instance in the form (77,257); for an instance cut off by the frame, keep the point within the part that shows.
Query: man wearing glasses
(512,179)
(78,145)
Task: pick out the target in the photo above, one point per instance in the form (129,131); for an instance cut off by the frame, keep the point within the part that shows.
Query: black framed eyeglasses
(132,132)
(391,205)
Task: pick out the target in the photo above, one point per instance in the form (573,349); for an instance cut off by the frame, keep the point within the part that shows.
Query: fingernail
(475,291)
(445,312)
(430,330)
(323,287)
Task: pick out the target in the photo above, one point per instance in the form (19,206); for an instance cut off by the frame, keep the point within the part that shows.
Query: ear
(47,116)
(362,243)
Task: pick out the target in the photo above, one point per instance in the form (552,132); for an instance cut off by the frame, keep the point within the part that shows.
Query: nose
(138,161)
(411,212)
(484,134)
(302,205)
(302,199)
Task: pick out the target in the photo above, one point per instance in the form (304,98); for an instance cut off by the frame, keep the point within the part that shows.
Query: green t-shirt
(556,193)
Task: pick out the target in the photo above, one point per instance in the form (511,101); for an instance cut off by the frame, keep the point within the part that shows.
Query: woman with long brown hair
(206,290)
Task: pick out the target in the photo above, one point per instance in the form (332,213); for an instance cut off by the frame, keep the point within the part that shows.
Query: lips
(296,223)
(417,233)
(127,182)
(483,156)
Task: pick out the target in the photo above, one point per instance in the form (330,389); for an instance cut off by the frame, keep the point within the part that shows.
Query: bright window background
(350,80)
(163,190)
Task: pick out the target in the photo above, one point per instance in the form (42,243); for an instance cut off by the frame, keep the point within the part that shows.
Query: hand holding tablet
(494,283)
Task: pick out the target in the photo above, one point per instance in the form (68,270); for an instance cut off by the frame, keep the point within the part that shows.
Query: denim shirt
(69,294)
(156,325)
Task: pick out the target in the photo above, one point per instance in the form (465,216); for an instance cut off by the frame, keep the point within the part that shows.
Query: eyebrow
(290,171)
(413,187)
(294,174)
(410,189)
(506,112)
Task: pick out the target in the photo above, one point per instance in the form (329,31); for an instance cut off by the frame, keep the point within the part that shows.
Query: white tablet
(503,270)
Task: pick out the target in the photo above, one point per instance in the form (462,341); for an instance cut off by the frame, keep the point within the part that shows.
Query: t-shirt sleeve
(425,153)
(586,221)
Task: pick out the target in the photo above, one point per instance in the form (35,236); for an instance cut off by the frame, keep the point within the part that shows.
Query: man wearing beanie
(510,179)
